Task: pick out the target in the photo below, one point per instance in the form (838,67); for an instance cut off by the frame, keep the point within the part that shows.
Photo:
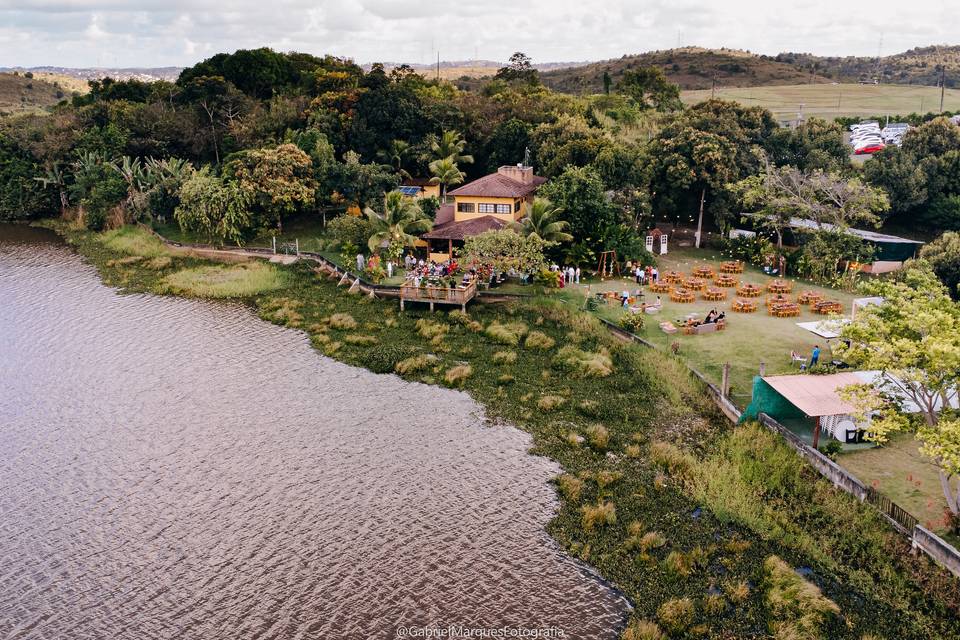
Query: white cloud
(179,32)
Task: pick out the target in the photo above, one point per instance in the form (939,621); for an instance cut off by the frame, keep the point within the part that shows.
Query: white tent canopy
(827,329)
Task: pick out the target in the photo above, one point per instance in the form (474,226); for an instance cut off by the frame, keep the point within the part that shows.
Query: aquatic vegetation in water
(235,281)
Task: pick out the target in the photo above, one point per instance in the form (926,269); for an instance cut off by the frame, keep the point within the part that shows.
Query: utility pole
(438,66)
(943,83)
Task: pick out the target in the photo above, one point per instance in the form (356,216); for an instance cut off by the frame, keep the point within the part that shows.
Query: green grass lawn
(900,472)
(749,338)
(830,101)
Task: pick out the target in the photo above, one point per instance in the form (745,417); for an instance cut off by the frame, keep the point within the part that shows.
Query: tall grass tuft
(509,333)
(430,330)
(585,364)
(676,615)
(550,402)
(235,281)
(598,436)
(598,515)
(360,340)
(342,321)
(456,376)
(505,357)
(413,364)
(672,459)
(539,341)
(643,630)
(570,487)
(678,564)
(797,607)
(737,590)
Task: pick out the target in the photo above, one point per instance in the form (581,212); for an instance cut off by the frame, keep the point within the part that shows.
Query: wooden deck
(437,295)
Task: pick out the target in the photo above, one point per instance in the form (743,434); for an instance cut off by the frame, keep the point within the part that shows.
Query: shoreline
(559,406)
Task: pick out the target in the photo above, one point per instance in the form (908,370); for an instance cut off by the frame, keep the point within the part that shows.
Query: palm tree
(541,221)
(450,144)
(445,173)
(398,226)
(396,155)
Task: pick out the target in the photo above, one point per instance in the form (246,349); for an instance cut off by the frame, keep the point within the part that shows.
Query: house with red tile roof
(488,203)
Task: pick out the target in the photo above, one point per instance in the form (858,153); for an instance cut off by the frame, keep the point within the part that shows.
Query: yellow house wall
(431,190)
(459,216)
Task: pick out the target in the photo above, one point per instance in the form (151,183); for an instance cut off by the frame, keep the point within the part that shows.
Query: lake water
(180,469)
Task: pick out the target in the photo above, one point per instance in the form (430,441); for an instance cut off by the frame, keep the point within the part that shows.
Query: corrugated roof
(464,229)
(497,185)
(816,395)
(863,234)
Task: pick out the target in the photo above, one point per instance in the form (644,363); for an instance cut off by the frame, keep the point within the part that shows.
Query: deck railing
(442,295)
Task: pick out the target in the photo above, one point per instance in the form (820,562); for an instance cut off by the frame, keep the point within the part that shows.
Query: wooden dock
(432,295)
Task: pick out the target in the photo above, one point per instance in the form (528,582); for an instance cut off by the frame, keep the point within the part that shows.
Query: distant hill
(689,67)
(21,94)
(696,68)
(916,66)
(456,69)
(146,74)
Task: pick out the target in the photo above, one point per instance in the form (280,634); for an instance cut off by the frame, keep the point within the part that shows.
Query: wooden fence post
(763,369)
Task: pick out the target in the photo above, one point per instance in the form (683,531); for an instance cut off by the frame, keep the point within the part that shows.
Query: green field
(833,100)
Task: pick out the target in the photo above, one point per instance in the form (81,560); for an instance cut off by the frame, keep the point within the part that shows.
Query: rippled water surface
(180,469)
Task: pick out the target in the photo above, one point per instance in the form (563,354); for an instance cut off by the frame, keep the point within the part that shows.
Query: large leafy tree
(912,337)
(542,219)
(579,193)
(276,180)
(363,183)
(781,193)
(922,177)
(215,209)
(398,227)
(814,144)
(943,254)
(504,250)
(519,68)
(697,161)
(650,89)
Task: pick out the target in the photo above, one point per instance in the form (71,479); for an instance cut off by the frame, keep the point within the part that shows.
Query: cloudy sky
(119,33)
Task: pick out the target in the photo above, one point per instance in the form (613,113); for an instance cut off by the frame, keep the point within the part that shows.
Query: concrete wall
(942,553)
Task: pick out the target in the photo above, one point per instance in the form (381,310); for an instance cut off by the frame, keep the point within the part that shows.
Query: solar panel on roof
(408,190)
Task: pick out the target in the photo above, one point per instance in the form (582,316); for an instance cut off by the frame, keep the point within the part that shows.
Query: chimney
(520,173)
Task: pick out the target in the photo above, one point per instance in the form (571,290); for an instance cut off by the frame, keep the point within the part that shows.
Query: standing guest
(571,274)
(815,356)
(576,275)
(625,297)
(389,268)
(360,262)
(636,274)
(656,275)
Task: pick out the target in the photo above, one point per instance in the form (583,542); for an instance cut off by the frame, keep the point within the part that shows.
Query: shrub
(797,608)
(539,340)
(505,357)
(676,615)
(598,436)
(632,322)
(456,376)
(413,364)
(602,514)
(570,487)
(643,630)
(549,402)
(832,449)
(651,540)
(349,230)
(605,479)
(508,334)
(632,451)
(343,321)
(460,317)
(134,241)
(583,363)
